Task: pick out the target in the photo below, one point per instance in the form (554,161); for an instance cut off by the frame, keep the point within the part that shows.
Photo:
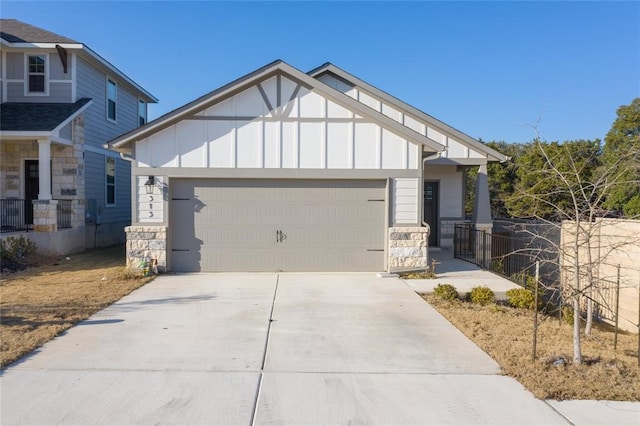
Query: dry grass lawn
(506,334)
(39,303)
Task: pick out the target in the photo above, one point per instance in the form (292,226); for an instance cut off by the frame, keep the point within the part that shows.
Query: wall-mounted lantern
(150,184)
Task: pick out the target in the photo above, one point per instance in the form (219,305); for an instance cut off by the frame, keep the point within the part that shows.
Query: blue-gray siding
(67,131)
(56,69)
(92,84)
(15,66)
(58,91)
(95,187)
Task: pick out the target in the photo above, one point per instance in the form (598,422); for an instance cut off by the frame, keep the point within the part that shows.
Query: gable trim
(351,80)
(275,68)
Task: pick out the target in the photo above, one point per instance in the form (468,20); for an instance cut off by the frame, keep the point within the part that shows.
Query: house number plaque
(150,206)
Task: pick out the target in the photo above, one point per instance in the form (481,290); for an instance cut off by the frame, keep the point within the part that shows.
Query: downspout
(125,158)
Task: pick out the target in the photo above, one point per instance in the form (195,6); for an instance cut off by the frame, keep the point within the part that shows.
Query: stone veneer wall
(408,248)
(67,168)
(45,218)
(11,155)
(146,242)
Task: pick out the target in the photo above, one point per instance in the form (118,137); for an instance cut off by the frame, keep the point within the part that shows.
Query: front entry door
(31,188)
(431,211)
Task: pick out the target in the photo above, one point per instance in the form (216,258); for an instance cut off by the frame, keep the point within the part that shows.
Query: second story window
(112,96)
(36,67)
(142,112)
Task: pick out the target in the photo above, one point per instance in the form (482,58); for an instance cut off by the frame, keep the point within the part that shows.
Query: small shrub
(14,253)
(521,298)
(482,296)
(445,292)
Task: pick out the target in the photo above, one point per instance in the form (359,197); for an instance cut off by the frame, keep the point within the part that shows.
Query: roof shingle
(15,31)
(36,117)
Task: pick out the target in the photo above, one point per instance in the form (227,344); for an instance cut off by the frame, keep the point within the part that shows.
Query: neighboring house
(60,103)
(293,171)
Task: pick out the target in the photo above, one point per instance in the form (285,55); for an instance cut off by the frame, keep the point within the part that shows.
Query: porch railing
(17,214)
(64,212)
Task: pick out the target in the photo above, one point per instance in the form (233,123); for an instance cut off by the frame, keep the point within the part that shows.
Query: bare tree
(566,189)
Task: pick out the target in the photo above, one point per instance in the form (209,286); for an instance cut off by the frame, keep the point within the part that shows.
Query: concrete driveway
(241,349)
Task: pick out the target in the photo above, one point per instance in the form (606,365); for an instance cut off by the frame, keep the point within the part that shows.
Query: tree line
(604,176)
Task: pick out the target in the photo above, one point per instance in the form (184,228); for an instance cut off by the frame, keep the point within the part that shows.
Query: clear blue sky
(489,69)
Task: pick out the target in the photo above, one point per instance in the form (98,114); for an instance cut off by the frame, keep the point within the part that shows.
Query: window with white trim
(112,97)
(110,181)
(36,66)
(142,112)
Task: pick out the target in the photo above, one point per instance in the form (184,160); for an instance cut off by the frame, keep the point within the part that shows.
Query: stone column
(78,155)
(45,215)
(407,248)
(145,244)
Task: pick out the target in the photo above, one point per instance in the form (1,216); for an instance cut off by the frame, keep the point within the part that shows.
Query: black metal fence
(64,213)
(605,292)
(17,214)
(501,254)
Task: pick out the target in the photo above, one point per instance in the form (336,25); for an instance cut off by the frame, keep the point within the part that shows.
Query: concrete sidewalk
(463,275)
(273,349)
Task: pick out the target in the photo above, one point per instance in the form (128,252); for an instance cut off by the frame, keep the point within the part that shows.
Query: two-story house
(61,102)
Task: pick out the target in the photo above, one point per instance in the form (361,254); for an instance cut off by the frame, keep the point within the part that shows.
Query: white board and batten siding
(303,131)
(150,207)
(454,148)
(405,193)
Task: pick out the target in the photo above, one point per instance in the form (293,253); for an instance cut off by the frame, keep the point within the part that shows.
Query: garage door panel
(236,237)
(357,237)
(233,225)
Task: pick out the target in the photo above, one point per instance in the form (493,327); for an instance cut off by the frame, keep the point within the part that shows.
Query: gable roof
(492,155)
(269,70)
(15,31)
(37,117)
(20,35)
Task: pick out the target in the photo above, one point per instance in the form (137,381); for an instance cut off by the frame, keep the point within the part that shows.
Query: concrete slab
(125,397)
(342,348)
(604,413)
(175,322)
(384,399)
(363,324)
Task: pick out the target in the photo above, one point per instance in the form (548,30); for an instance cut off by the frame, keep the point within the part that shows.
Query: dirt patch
(506,334)
(39,303)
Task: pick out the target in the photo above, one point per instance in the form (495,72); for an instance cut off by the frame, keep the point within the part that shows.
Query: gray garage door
(277,225)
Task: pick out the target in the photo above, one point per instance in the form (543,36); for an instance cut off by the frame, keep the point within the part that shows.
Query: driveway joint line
(264,353)
(565,418)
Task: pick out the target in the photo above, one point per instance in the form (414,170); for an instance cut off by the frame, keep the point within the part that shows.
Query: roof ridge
(16,31)
(357,81)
